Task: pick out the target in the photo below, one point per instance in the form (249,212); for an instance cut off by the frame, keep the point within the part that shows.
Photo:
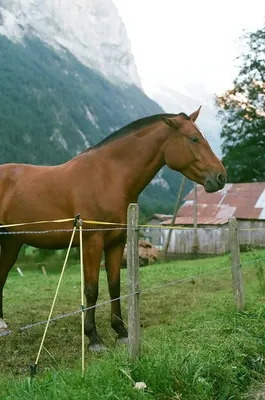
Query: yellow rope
(82,297)
(103,223)
(87,222)
(37,222)
(55,296)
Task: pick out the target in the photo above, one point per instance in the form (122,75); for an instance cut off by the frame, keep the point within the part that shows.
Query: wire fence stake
(82,296)
(33,367)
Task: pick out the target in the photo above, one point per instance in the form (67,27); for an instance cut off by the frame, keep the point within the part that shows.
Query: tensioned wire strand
(174,282)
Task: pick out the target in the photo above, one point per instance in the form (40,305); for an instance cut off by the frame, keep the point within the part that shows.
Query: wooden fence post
(195,247)
(133,281)
(237,279)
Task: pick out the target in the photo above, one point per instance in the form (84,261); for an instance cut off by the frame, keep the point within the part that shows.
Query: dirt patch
(148,254)
(256,394)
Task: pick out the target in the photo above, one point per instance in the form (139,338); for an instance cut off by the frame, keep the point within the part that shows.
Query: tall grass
(194,344)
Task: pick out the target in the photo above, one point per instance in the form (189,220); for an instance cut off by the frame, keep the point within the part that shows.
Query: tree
(242,112)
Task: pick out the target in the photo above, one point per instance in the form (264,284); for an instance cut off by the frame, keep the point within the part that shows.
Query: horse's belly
(50,241)
(60,240)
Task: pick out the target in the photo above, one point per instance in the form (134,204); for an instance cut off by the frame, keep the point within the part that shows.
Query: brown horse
(99,184)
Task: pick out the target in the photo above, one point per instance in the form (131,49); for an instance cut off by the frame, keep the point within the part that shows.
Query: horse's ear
(195,114)
(172,123)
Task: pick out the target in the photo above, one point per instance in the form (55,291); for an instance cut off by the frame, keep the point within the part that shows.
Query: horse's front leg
(113,257)
(91,256)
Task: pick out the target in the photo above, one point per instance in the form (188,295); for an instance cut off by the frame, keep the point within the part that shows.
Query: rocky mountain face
(67,80)
(91,30)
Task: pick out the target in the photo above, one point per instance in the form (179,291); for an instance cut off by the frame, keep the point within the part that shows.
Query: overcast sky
(180,42)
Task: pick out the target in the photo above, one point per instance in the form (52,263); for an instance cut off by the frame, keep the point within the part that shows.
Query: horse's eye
(194,139)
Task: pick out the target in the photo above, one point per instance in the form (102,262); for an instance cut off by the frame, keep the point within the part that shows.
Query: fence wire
(125,228)
(60,230)
(142,291)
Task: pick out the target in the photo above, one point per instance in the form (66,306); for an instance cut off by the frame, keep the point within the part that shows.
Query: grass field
(194,344)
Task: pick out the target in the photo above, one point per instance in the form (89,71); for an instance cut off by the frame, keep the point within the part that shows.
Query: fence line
(133,295)
(152,227)
(59,230)
(125,228)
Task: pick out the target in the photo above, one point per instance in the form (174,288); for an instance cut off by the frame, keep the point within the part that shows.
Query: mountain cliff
(91,30)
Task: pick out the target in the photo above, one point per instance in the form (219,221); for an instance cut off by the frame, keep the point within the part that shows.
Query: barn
(245,201)
(155,236)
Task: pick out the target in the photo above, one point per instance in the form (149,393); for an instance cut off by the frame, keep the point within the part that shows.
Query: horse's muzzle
(215,183)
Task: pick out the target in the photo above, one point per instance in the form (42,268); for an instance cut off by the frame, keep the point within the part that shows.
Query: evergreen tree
(242,112)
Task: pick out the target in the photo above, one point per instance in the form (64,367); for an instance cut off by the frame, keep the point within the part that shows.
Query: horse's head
(188,151)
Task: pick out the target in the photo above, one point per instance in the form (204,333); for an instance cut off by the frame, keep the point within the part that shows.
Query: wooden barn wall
(214,239)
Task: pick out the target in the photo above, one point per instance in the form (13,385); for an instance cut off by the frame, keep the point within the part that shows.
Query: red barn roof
(241,200)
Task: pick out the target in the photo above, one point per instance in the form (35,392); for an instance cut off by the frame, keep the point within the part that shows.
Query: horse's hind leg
(113,257)
(9,251)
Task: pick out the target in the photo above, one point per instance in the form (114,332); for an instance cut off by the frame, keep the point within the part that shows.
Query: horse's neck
(135,160)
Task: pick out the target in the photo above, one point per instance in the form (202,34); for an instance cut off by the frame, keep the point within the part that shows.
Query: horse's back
(13,175)
(9,175)
(28,191)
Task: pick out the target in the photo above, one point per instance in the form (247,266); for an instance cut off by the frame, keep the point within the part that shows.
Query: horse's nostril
(221,179)
(215,183)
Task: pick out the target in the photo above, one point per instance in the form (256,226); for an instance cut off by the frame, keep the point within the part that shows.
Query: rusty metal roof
(241,200)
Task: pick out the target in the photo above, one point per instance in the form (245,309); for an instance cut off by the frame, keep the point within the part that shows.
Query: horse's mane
(133,126)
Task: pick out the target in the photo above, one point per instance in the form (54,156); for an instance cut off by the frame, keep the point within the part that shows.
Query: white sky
(190,41)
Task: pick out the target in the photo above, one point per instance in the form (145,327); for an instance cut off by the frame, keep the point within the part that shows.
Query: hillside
(52,107)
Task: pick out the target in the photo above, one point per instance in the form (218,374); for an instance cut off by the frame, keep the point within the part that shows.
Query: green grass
(194,344)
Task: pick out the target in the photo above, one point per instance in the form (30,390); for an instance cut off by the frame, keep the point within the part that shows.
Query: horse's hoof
(97,347)
(3,325)
(122,340)
(4,332)
(3,328)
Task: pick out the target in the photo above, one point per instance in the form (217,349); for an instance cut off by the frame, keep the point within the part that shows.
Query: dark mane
(133,126)
(185,116)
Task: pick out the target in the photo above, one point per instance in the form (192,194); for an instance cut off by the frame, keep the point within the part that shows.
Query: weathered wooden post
(195,247)
(133,281)
(237,279)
